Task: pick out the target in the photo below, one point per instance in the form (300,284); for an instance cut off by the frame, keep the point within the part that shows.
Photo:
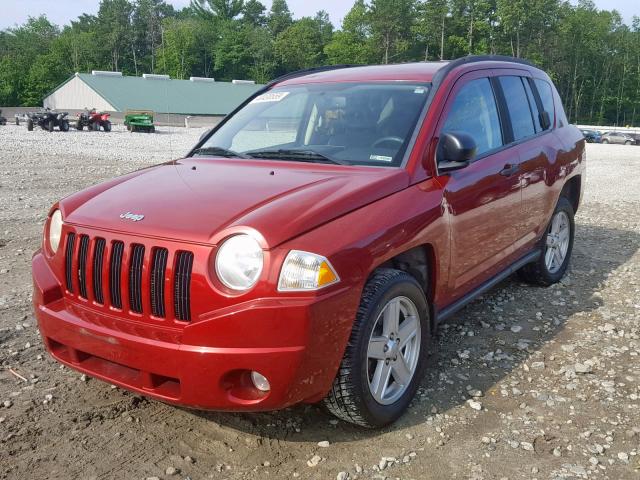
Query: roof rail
(309,71)
(488,58)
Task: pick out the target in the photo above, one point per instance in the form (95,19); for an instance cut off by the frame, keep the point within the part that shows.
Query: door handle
(509,169)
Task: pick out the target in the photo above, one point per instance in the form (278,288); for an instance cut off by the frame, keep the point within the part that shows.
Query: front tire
(605,141)
(64,126)
(385,358)
(557,245)
(107,126)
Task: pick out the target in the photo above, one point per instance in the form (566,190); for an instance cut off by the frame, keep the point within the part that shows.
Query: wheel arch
(420,263)
(571,191)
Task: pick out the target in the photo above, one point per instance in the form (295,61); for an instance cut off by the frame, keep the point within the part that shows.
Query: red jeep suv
(311,243)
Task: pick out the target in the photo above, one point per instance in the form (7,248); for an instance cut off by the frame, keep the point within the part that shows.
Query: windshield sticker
(381,158)
(420,90)
(270,97)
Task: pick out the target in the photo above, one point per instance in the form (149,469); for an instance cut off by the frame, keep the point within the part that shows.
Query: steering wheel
(388,139)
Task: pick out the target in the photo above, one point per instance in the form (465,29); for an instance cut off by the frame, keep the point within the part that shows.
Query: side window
(518,106)
(546,95)
(474,112)
(533,105)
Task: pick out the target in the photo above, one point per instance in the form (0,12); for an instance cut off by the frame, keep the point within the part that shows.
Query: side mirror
(545,120)
(455,151)
(206,132)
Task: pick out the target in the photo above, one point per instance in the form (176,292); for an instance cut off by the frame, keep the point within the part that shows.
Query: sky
(14,12)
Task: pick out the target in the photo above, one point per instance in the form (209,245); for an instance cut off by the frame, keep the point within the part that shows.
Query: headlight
(306,271)
(55,230)
(239,262)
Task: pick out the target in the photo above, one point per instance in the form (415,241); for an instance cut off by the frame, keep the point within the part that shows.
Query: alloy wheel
(557,245)
(394,350)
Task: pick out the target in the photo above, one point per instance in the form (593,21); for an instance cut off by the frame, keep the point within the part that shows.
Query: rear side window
(518,107)
(546,95)
(534,106)
(475,113)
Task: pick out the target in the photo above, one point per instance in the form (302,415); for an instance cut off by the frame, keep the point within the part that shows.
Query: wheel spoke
(558,257)
(380,380)
(555,224)
(376,348)
(401,371)
(407,330)
(548,258)
(391,318)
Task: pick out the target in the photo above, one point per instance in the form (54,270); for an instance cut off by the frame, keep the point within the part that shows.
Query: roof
(171,96)
(414,72)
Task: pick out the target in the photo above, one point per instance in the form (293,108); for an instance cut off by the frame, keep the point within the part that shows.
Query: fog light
(260,382)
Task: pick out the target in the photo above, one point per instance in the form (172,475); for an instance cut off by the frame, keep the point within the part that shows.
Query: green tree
(353,43)
(178,56)
(146,22)
(113,27)
(300,46)
(391,22)
(218,9)
(254,13)
(279,18)
(430,27)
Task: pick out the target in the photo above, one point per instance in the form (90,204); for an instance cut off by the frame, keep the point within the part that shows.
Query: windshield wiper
(220,152)
(296,155)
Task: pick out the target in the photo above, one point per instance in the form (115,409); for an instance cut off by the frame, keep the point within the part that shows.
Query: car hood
(200,200)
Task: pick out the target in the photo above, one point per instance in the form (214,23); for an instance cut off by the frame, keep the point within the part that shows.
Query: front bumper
(297,343)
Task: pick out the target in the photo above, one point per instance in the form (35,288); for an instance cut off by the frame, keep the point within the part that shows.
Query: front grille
(135,278)
(182,283)
(158,269)
(109,262)
(115,267)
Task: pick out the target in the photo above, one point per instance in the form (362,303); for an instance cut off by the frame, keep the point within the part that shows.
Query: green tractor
(139,121)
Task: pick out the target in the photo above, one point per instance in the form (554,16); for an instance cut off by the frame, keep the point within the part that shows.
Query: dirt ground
(554,373)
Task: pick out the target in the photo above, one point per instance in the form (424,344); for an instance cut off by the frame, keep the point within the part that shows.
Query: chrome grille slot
(158,270)
(114,274)
(98,261)
(68,261)
(182,286)
(135,278)
(83,252)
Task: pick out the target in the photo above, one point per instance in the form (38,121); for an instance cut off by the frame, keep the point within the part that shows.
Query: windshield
(344,123)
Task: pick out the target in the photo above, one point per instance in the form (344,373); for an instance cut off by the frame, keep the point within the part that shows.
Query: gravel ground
(525,383)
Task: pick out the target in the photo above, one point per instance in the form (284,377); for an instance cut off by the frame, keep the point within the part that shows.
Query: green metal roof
(169,96)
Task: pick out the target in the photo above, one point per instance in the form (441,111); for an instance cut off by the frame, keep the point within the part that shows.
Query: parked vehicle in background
(619,138)
(592,136)
(47,119)
(139,121)
(93,120)
(3,120)
(309,245)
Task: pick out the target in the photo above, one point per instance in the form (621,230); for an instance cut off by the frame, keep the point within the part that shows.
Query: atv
(139,121)
(93,120)
(48,119)
(3,120)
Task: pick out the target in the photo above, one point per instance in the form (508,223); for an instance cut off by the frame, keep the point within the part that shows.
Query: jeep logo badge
(132,216)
